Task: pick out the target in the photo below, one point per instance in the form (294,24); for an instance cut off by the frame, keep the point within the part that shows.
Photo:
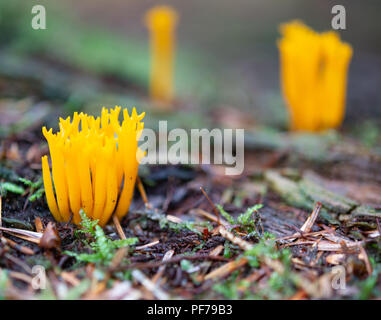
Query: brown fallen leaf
(50,238)
(13,152)
(35,152)
(39,225)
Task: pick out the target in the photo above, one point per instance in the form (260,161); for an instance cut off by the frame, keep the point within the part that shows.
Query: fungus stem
(161,22)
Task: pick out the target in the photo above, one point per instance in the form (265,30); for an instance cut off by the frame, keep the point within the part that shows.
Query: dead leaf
(13,152)
(35,152)
(50,238)
(38,224)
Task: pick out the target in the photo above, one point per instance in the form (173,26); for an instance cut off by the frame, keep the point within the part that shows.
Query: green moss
(103,249)
(246,221)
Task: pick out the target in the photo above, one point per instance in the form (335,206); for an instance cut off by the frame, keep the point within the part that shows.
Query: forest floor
(304,205)
(301,222)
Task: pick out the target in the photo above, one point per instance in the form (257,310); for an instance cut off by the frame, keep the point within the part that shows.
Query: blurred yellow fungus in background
(314,69)
(94,165)
(161,22)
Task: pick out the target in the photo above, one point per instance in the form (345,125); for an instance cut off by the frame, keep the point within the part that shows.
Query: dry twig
(24,234)
(226,269)
(142,192)
(168,255)
(212,204)
(17,246)
(150,285)
(244,245)
(148,245)
(118,227)
(209,216)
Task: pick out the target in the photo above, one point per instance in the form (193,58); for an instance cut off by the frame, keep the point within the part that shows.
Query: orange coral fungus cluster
(94,165)
(314,76)
(161,22)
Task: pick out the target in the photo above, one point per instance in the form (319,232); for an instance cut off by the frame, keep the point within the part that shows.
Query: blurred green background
(95,53)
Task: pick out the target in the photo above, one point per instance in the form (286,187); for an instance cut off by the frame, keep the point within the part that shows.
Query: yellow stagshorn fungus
(314,71)
(94,165)
(161,22)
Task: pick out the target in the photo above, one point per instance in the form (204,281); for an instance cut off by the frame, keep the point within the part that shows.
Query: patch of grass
(36,190)
(228,249)
(246,220)
(6,187)
(87,225)
(278,286)
(266,247)
(228,288)
(186,225)
(103,249)
(368,287)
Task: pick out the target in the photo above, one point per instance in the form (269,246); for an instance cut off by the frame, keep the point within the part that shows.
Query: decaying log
(304,193)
